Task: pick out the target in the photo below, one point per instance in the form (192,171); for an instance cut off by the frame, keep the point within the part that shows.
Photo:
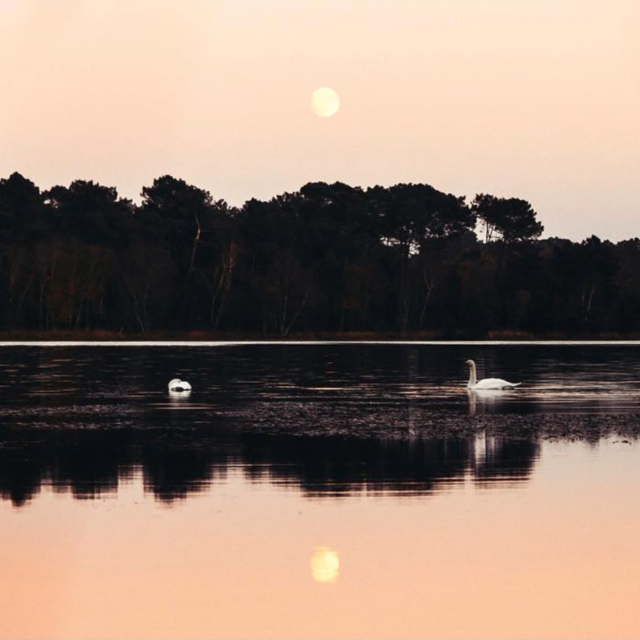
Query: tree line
(329,258)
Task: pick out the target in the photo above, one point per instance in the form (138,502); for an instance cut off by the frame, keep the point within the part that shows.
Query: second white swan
(177,385)
(487,383)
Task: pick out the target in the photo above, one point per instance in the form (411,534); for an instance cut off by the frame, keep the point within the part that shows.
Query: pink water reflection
(553,557)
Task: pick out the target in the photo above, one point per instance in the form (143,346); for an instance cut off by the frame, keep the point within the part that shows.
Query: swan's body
(179,385)
(487,383)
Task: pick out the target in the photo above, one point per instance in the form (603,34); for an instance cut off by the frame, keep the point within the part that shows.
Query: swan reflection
(481,400)
(179,396)
(325,565)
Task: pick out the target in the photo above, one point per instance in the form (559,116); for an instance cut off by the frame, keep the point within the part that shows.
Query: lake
(319,490)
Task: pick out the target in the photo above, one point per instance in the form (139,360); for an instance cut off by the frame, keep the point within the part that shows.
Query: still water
(320,490)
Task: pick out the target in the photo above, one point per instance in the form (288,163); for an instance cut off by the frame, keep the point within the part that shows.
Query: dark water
(329,419)
(359,490)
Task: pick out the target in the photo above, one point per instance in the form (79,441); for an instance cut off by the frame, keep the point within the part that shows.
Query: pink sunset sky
(538,99)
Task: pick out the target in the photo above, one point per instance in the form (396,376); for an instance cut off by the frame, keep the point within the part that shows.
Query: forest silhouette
(329,258)
(93,463)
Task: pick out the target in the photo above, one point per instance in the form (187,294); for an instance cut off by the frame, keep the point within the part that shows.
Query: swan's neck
(472,375)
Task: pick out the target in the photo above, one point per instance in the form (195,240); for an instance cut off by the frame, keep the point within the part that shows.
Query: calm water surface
(319,491)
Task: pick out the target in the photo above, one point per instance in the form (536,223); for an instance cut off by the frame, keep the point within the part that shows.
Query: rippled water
(319,490)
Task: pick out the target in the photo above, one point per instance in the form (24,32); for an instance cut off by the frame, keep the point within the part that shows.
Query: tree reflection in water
(92,463)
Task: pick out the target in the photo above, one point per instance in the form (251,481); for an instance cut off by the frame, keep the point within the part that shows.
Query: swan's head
(470,364)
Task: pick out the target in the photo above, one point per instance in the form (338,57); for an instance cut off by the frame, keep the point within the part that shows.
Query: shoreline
(17,336)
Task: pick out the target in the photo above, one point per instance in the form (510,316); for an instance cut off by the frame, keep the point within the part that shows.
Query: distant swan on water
(177,385)
(487,383)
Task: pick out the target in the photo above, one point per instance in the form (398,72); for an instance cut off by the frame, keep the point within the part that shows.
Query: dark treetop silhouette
(91,463)
(327,258)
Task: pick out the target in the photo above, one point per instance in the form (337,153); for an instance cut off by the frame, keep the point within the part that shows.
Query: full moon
(325,102)
(325,565)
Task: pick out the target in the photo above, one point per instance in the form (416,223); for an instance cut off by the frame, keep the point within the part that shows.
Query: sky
(537,99)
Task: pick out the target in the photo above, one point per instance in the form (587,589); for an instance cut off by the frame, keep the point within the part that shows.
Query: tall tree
(509,219)
(188,222)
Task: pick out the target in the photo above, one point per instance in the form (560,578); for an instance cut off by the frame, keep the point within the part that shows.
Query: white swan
(487,383)
(179,385)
